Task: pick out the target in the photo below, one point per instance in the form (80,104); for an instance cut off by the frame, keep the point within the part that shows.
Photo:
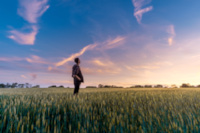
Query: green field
(100,110)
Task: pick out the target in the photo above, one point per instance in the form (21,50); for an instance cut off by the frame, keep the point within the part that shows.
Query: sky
(119,42)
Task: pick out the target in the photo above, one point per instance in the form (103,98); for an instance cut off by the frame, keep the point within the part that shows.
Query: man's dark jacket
(77,71)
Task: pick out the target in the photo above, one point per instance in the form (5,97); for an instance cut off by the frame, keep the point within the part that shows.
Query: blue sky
(121,42)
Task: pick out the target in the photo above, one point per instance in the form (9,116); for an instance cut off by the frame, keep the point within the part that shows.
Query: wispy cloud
(108,44)
(36,59)
(138,11)
(31,10)
(82,51)
(8,59)
(33,76)
(24,37)
(23,76)
(105,70)
(32,59)
(152,66)
(99,63)
(170,29)
(146,67)
(112,43)
(102,63)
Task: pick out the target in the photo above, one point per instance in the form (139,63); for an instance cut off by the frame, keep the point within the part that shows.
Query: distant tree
(61,86)
(36,86)
(2,85)
(114,86)
(185,85)
(119,87)
(20,86)
(14,85)
(158,86)
(91,87)
(100,86)
(53,86)
(138,86)
(174,86)
(27,85)
(148,86)
(108,86)
(198,86)
(8,85)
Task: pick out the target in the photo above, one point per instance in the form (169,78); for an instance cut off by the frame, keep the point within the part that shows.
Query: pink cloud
(102,63)
(31,10)
(138,14)
(36,59)
(103,71)
(33,59)
(138,11)
(171,31)
(139,3)
(23,76)
(108,44)
(112,43)
(23,37)
(33,76)
(7,59)
(81,52)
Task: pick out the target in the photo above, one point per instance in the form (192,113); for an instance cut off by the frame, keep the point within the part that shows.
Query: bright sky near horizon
(119,42)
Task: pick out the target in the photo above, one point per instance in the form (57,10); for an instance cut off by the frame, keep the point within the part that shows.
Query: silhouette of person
(77,75)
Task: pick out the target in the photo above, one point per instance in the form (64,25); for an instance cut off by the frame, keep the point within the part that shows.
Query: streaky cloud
(23,76)
(31,10)
(111,43)
(171,31)
(7,59)
(33,76)
(102,62)
(138,11)
(139,3)
(33,59)
(81,52)
(25,38)
(114,42)
(108,44)
(36,59)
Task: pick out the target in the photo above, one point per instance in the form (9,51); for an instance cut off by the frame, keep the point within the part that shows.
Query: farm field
(100,110)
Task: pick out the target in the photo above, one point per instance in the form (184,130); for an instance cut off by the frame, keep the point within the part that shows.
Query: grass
(100,110)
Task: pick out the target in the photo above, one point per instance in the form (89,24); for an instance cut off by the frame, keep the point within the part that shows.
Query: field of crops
(100,110)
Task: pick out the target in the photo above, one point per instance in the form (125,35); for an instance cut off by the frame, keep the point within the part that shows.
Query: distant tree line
(27,85)
(184,85)
(187,85)
(54,86)
(148,86)
(104,86)
(109,86)
(18,85)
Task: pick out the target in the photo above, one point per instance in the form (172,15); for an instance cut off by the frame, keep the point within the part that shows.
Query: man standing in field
(77,75)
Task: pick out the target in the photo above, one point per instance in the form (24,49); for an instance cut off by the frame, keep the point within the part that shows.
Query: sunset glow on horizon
(119,42)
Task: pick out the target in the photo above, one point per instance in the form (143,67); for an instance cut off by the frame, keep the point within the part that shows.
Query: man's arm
(75,72)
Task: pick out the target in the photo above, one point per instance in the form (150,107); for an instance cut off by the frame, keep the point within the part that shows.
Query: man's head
(77,61)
